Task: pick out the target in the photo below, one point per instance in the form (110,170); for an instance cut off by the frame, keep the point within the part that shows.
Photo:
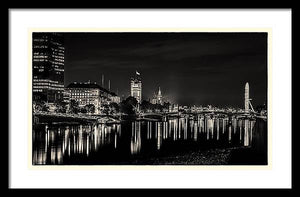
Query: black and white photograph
(149,98)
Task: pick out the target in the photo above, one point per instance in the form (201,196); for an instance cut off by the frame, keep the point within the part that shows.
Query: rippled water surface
(96,144)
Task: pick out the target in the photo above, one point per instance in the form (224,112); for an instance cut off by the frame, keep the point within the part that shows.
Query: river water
(101,144)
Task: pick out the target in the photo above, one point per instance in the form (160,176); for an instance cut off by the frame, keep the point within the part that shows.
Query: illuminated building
(89,93)
(48,66)
(114,98)
(85,94)
(157,98)
(136,87)
(173,108)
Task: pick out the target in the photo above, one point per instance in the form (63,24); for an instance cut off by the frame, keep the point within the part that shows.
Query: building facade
(173,108)
(84,93)
(114,98)
(136,87)
(48,54)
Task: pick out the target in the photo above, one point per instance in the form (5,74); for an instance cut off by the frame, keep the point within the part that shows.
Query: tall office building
(48,66)
(136,87)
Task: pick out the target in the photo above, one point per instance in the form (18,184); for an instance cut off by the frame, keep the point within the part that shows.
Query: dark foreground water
(135,142)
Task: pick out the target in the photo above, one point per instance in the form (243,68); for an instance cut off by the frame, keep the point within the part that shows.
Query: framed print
(144,105)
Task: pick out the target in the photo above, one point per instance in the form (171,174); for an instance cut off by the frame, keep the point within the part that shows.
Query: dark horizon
(190,68)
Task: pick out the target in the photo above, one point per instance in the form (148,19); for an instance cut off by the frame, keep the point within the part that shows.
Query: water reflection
(159,134)
(136,140)
(66,144)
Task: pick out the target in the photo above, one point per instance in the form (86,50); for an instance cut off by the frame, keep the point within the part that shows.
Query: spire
(102,84)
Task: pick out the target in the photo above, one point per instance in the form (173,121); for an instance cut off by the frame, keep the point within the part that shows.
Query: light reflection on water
(71,143)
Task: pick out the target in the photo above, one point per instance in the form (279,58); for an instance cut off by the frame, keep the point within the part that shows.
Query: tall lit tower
(136,87)
(247,98)
(159,96)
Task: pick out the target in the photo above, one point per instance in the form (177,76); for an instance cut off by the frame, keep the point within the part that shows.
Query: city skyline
(190,68)
(185,86)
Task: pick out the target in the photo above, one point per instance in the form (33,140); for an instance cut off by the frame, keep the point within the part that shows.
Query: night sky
(190,68)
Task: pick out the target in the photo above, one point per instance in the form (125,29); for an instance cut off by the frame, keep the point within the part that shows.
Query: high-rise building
(136,87)
(48,66)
